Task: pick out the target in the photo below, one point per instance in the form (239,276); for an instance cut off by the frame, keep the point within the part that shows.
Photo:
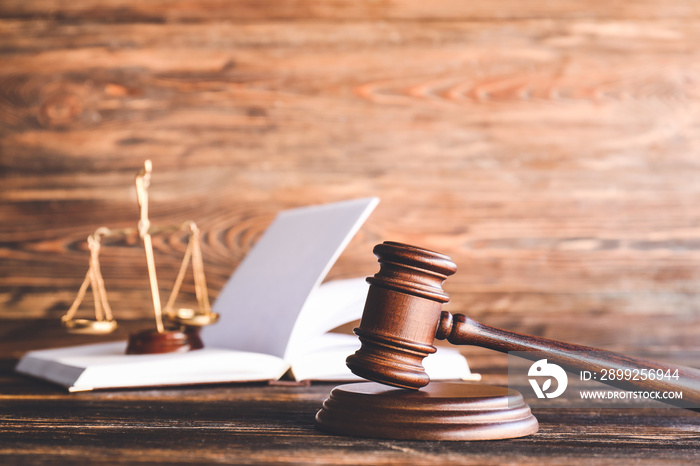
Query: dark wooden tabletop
(273,424)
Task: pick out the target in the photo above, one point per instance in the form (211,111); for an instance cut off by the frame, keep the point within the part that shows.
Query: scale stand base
(439,411)
(170,341)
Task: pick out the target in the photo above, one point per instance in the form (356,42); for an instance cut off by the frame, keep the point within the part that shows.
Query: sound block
(439,411)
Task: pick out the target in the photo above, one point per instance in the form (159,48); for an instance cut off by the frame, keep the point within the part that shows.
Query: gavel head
(401,315)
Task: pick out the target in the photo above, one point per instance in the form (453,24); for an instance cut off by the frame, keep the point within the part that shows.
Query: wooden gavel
(403,315)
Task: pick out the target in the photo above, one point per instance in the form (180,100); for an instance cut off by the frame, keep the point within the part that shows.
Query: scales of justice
(176,330)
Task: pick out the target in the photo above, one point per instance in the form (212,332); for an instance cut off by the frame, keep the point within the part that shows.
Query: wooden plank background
(550,148)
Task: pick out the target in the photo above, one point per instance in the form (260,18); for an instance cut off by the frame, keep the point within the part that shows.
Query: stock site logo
(542,369)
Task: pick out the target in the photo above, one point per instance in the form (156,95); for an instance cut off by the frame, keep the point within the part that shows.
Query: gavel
(403,316)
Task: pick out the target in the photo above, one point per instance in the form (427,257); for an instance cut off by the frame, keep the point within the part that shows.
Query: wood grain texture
(548,148)
(274,425)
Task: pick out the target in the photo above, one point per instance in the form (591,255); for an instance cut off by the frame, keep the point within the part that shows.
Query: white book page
(105,365)
(325,358)
(330,305)
(260,303)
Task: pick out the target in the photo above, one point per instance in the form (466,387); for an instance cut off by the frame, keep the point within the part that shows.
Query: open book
(276,318)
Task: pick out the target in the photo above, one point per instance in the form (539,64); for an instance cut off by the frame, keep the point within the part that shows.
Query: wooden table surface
(274,424)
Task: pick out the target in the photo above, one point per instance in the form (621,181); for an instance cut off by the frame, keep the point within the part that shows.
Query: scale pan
(90,327)
(191,318)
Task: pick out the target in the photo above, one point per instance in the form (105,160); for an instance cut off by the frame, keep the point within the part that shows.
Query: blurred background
(550,148)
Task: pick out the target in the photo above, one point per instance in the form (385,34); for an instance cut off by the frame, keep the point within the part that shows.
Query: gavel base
(439,411)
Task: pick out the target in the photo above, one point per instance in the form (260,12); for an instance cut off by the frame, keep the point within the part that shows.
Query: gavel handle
(577,358)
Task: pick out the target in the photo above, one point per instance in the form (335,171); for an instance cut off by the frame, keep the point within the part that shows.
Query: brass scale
(183,321)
